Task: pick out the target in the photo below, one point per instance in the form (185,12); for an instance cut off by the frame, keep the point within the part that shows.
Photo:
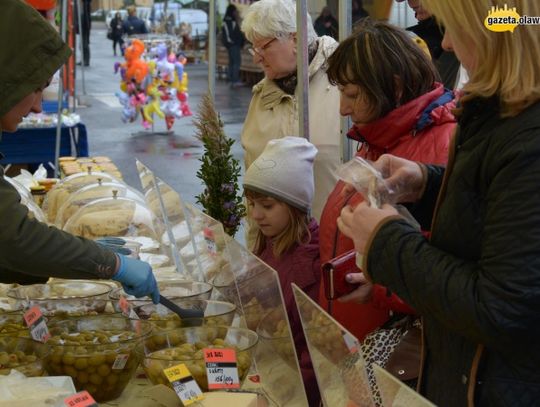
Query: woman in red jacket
(391,91)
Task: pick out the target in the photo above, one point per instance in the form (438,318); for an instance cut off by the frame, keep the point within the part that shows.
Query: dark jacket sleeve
(422,210)
(31,247)
(494,300)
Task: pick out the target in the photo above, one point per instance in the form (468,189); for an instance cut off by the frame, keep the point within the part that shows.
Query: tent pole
(345,25)
(211,44)
(302,68)
(63,31)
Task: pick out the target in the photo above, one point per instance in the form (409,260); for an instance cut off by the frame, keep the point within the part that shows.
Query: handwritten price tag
(126,309)
(210,240)
(221,369)
(37,325)
(183,384)
(82,399)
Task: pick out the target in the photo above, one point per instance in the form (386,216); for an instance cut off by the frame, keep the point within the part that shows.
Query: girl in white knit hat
(279,189)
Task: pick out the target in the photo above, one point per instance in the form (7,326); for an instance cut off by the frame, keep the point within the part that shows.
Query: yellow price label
(177,372)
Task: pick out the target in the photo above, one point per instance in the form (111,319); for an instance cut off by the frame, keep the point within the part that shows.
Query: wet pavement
(174,158)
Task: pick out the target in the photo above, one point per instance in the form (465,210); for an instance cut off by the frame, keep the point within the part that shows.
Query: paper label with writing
(82,399)
(36,323)
(126,309)
(183,384)
(210,240)
(120,362)
(221,368)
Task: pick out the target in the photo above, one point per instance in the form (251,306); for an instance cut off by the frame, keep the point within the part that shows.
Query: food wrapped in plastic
(98,352)
(185,345)
(171,201)
(65,187)
(112,216)
(173,289)
(63,298)
(22,354)
(162,318)
(12,324)
(91,193)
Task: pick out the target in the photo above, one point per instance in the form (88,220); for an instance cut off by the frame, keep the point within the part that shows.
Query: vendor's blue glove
(137,278)
(115,244)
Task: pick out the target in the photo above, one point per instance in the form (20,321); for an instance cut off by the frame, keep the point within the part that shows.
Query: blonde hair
(296,233)
(508,64)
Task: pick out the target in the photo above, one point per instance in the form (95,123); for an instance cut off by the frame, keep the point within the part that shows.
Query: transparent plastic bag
(367,180)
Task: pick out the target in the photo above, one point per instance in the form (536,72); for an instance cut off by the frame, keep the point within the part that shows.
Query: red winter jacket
(420,131)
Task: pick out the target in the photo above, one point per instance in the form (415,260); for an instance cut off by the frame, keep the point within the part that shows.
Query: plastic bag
(366,180)
(370,183)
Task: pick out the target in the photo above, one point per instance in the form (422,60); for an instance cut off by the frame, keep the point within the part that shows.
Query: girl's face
(30,103)
(277,57)
(271,215)
(352,103)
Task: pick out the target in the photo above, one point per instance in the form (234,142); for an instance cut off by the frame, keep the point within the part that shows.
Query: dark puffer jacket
(30,52)
(477,283)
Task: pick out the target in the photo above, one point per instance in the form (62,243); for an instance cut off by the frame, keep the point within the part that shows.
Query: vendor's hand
(137,278)
(405,179)
(359,223)
(360,295)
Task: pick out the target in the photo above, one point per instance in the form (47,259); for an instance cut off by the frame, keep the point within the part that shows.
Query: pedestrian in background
(133,24)
(233,40)
(117,31)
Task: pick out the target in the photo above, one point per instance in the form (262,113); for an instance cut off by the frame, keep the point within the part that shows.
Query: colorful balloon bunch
(152,86)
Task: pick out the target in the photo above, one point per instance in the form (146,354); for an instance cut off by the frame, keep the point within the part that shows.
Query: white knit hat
(284,171)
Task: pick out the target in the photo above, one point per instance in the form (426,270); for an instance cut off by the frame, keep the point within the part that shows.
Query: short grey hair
(273,19)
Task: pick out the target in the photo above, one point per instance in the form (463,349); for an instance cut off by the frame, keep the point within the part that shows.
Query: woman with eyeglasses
(270,26)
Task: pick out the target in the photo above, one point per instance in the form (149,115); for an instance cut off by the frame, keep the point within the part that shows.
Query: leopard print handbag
(379,346)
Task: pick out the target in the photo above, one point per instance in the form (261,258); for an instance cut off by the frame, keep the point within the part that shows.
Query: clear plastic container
(65,187)
(22,354)
(114,216)
(98,352)
(92,192)
(172,289)
(162,318)
(184,345)
(68,297)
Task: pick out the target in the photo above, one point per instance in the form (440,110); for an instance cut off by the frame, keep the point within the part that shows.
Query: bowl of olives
(185,345)
(98,352)
(174,289)
(215,313)
(12,324)
(66,297)
(22,354)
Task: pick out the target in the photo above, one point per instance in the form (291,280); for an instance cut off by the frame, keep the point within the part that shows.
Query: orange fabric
(42,4)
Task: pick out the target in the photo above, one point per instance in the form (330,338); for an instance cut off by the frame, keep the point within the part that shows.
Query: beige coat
(274,114)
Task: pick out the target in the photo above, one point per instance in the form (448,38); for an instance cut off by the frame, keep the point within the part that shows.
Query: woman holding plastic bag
(476,282)
(391,91)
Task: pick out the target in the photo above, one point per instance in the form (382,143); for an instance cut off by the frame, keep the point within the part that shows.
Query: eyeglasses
(260,50)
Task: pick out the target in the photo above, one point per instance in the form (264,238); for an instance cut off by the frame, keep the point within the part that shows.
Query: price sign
(221,369)
(120,362)
(36,323)
(183,384)
(210,240)
(82,399)
(126,309)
